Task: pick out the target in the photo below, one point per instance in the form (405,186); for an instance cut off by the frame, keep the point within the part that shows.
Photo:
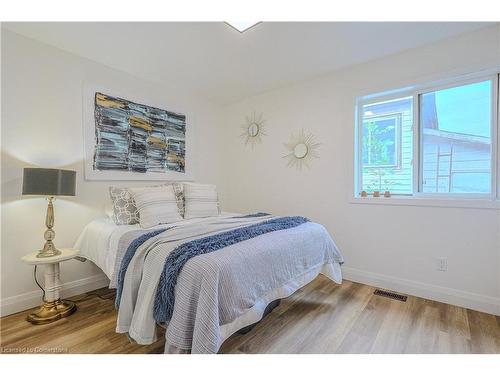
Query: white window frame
(418,197)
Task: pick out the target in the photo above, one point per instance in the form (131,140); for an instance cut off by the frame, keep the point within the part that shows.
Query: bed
(213,294)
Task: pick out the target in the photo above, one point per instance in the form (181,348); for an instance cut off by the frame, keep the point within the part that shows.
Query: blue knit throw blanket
(258,214)
(165,298)
(129,254)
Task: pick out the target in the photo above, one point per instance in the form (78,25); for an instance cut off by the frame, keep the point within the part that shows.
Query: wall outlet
(442,264)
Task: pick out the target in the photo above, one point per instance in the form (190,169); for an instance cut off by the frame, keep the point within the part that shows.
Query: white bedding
(98,241)
(94,242)
(219,287)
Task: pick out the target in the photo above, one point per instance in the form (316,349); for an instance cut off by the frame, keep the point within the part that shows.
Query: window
(386,146)
(436,140)
(455,127)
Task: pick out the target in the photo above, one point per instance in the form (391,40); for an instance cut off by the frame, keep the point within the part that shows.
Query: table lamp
(49,183)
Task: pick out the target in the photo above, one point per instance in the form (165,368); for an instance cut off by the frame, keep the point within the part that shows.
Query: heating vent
(393,295)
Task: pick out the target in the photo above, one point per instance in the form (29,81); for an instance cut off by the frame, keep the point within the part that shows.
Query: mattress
(98,242)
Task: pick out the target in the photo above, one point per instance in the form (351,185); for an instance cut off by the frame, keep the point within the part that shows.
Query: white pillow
(200,201)
(156,205)
(108,210)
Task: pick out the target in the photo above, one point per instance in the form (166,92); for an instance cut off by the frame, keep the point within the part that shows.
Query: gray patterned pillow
(124,209)
(179,197)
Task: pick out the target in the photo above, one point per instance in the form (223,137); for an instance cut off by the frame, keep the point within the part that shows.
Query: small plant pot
(387,194)
(376,194)
(364,194)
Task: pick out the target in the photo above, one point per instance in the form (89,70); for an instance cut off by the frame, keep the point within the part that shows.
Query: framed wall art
(127,138)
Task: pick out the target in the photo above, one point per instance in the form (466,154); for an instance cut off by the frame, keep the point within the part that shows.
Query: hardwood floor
(322,317)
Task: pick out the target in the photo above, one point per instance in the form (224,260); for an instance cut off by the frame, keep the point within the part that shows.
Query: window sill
(429,202)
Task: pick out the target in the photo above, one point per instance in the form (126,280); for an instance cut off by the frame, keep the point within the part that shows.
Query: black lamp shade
(48,182)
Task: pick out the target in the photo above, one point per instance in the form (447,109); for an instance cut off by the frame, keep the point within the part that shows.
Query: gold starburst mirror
(253,129)
(302,148)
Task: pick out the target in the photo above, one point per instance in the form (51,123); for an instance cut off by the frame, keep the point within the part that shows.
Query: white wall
(387,246)
(42,126)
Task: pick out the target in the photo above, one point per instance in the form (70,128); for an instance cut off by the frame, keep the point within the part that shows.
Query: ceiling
(212,60)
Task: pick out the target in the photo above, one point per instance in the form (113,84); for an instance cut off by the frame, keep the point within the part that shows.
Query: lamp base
(49,249)
(51,311)
(48,254)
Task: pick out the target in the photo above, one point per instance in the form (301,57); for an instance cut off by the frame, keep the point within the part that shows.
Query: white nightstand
(53,307)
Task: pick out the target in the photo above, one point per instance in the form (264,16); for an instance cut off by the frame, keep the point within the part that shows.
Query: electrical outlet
(442,264)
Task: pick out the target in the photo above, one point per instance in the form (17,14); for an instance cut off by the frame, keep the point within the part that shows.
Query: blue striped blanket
(165,294)
(132,248)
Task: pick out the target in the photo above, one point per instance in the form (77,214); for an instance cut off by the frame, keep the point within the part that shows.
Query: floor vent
(393,295)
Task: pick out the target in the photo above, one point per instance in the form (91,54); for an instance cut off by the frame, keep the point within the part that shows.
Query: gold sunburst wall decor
(253,129)
(302,148)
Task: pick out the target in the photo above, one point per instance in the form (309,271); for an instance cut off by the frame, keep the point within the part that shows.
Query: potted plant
(388,184)
(378,173)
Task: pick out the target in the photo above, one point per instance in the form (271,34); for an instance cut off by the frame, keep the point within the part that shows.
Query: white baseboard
(21,302)
(11,305)
(451,296)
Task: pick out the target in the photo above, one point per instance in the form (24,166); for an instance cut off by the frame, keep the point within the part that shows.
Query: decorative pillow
(124,210)
(156,205)
(179,196)
(108,210)
(200,201)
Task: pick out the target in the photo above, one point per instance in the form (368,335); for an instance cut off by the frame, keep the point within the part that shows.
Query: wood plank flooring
(322,317)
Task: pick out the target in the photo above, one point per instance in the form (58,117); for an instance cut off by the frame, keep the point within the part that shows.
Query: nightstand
(53,307)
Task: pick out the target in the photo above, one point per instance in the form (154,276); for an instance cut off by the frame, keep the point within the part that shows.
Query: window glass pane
(387,146)
(456,139)
(379,141)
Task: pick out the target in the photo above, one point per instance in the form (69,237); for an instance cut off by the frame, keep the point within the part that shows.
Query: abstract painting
(137,138)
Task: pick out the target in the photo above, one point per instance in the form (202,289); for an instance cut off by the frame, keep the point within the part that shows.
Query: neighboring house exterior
(460,157)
